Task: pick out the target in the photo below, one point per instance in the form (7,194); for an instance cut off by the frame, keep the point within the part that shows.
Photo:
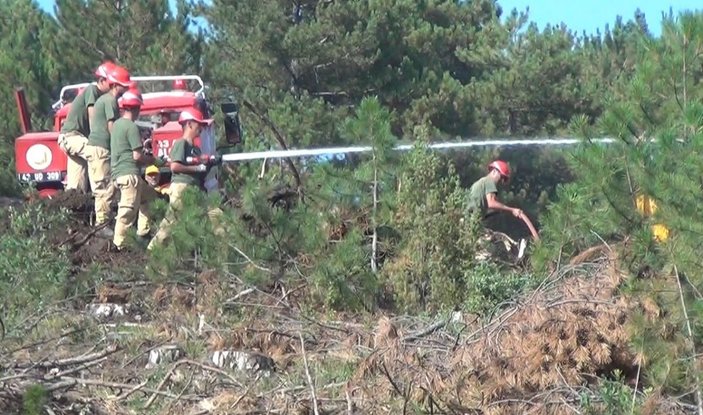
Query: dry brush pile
(218,346)
(540,355)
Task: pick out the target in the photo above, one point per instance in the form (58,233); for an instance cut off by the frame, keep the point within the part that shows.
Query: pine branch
(281,141)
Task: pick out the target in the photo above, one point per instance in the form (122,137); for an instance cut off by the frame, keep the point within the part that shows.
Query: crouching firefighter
(483,199)
(483,194)
(152,176)
(189,170)
(126,157)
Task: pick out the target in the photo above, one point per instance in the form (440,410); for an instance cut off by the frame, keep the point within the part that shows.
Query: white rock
(164,354)
(107,310)
(207,405)
(244,361)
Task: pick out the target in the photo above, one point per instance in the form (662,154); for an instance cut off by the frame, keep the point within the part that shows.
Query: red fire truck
(41,163)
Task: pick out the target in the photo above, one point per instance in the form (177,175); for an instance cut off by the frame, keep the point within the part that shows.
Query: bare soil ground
(80,236)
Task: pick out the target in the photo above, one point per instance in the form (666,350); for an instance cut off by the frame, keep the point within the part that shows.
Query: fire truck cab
(42,164)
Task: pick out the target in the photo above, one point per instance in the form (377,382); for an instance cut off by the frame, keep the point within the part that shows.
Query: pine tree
(537,88)
(143,35)
(301,67)
(657,118)
(26,34)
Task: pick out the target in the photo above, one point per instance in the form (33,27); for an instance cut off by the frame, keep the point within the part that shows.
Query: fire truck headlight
(38,156)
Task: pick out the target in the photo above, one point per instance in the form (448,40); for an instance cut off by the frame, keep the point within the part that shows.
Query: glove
(215,160)
(193,160)
(210,160)
(201,168)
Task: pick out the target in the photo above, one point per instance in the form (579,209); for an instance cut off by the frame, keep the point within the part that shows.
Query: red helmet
(502,168)
(119,75)
(104,69)
(131,98)
(195,115)
(179,84)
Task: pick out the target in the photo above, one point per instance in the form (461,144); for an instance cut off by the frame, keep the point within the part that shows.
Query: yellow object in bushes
(646,206)
(661,232)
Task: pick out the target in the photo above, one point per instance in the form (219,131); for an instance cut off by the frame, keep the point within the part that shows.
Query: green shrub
(437,241)
(34,272)
(34,399)
(487,286)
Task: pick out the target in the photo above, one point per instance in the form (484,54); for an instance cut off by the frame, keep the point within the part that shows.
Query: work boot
(105,233)
(143,240)
(124,249)
(146,237)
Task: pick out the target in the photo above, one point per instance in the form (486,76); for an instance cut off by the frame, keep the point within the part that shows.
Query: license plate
(41,176)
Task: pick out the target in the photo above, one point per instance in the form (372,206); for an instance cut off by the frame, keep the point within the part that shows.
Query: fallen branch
(131,391)
(75,369)
(298,388)
(326,326)
(699,400)
(287,294)
(427,331)
(307,374)
(84,362)
(86,238)
(350,404)
(161,385)
(192,363)
(246,392)
(69,382)
(249,260)
(147,351)
(240,295)
(213,369)
(187,385)
(72,360)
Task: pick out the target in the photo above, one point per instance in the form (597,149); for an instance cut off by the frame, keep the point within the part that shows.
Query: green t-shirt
(179,151)
(77,119)
(476,200)
(124,139)
(106,109)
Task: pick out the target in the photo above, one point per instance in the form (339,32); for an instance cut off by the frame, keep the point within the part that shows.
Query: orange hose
(533,231)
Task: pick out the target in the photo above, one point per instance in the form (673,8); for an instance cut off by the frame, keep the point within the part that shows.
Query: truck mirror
(233,128)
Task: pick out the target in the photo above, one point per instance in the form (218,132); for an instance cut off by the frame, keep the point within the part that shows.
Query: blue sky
(579,16)
(590,15)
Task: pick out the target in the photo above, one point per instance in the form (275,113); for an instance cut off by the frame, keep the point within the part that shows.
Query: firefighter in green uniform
(189,168)
(126,157)
(97,151)
(482,201)
(482,197)
(76,129)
